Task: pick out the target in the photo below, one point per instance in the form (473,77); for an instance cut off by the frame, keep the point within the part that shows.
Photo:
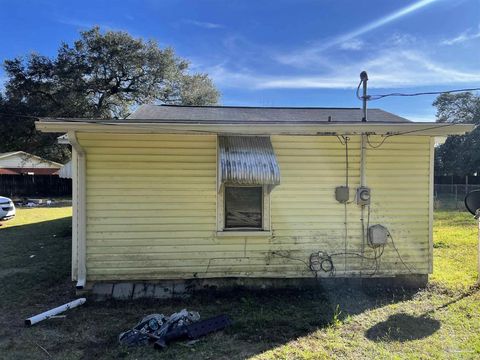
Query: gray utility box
(342,194)
(377,235)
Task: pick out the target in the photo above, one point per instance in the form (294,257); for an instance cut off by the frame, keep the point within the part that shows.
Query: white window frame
(266,222)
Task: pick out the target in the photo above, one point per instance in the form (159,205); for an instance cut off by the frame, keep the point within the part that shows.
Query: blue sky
(281,53)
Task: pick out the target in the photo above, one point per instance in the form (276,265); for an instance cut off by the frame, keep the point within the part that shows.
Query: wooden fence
(15,186)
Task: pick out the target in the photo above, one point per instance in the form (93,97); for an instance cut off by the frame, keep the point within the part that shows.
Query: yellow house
(177,194)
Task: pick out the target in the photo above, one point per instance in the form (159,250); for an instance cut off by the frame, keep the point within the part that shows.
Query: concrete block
(102,290)
(180,289)
(163,291)
(143,291)
(122,291)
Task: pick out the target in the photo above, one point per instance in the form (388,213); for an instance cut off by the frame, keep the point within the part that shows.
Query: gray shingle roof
(228,114)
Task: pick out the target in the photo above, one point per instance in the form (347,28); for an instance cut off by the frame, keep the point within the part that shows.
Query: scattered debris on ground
(162,330)
(40,202)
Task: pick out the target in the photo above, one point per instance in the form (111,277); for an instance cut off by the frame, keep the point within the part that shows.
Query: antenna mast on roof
(364,79)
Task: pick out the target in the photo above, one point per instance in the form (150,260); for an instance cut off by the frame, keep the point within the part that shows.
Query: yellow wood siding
(304,209)
(151,208)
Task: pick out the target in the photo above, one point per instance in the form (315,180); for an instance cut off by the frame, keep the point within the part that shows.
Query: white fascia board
(417,129)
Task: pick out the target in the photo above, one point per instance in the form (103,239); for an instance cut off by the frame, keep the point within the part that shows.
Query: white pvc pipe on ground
(47,314)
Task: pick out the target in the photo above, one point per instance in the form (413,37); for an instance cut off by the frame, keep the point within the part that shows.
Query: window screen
(243,207)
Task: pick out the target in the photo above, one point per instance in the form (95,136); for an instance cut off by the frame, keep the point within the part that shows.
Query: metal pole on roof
(364,78)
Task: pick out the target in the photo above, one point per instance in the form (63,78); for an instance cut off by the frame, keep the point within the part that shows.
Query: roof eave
(354,128)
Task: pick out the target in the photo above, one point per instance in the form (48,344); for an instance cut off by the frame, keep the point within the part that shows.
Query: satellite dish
(472,201)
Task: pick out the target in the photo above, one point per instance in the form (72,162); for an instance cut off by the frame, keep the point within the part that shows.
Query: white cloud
(400,39)
(399,61)
(467,35)
(204,24)
(76,23)
(86,25)
(310,55)
(388,68)
(353,44)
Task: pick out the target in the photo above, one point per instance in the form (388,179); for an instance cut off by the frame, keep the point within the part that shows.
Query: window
(243,208)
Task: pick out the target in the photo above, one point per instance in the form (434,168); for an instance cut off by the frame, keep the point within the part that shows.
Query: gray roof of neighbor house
(238,114)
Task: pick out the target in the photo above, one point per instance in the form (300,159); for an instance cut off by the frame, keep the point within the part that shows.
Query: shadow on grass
(403,327)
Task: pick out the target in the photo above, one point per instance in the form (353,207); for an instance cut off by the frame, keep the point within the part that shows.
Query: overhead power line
(364,98)
(381,96)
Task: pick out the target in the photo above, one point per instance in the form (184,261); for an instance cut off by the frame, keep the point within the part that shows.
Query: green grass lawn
(345,322)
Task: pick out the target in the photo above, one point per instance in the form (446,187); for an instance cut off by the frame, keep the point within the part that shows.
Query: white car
(7,209)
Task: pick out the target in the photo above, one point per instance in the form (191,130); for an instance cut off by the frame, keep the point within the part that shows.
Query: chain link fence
(451,196)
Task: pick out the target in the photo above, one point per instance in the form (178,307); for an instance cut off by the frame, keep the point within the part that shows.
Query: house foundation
(167,289)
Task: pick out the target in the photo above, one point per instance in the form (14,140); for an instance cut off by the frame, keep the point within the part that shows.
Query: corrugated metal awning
(247,160)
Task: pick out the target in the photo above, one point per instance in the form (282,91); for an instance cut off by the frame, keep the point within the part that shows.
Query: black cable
(368,217)
(328,258)
(386,136)
(354,254)
(291,258)
(417,130)
(358,90)
(324,262)
(340,139)
(379,144)
(345,222)
(398,253)
(346,160)
(381,96)
(362,221)
(344,141)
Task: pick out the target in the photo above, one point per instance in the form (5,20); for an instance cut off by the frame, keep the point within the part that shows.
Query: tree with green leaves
(459,155)
(102,75)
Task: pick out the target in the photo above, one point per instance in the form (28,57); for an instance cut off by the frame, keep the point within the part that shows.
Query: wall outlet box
(342,194)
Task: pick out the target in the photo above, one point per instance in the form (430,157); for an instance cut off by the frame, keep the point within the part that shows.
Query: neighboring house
(22,163)
(66,171)
(178,193)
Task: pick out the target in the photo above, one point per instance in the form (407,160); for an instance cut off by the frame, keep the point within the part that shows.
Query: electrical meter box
(377,235)
(342,194)
(363,195)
